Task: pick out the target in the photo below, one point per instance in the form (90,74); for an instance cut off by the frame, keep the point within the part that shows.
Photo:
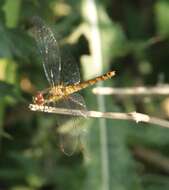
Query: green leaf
(162,17)
(5,50)
(7,90)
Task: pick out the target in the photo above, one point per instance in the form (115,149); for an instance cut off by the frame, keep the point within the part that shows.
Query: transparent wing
(70,71)
(49,50)
(77,102)
(70,130)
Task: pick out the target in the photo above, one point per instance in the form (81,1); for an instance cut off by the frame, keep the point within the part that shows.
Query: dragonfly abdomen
(103,77)
(85,84)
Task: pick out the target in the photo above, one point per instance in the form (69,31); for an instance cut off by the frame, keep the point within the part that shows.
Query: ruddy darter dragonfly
(64,79)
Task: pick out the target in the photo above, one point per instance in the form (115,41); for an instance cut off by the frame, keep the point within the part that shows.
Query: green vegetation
(131,37)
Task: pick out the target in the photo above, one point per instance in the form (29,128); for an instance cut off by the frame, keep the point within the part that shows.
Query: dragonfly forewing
(49,50)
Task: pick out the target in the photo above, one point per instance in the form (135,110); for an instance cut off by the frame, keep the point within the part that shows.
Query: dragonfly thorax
(58,91)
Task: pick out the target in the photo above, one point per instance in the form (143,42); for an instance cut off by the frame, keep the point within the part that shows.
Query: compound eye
(38,99)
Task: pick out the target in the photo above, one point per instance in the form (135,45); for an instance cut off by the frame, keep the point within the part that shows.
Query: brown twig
(152,157)
(161,90)
(137,117)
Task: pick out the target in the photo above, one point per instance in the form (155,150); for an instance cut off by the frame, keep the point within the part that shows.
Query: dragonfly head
(39,99)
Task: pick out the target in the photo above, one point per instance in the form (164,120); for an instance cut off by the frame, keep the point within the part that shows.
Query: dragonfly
(64,84)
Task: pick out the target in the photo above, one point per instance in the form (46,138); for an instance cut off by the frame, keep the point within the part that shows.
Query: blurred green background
(131,37)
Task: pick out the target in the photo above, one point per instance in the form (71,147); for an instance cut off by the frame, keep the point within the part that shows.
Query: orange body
(58,92)
(61,91)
